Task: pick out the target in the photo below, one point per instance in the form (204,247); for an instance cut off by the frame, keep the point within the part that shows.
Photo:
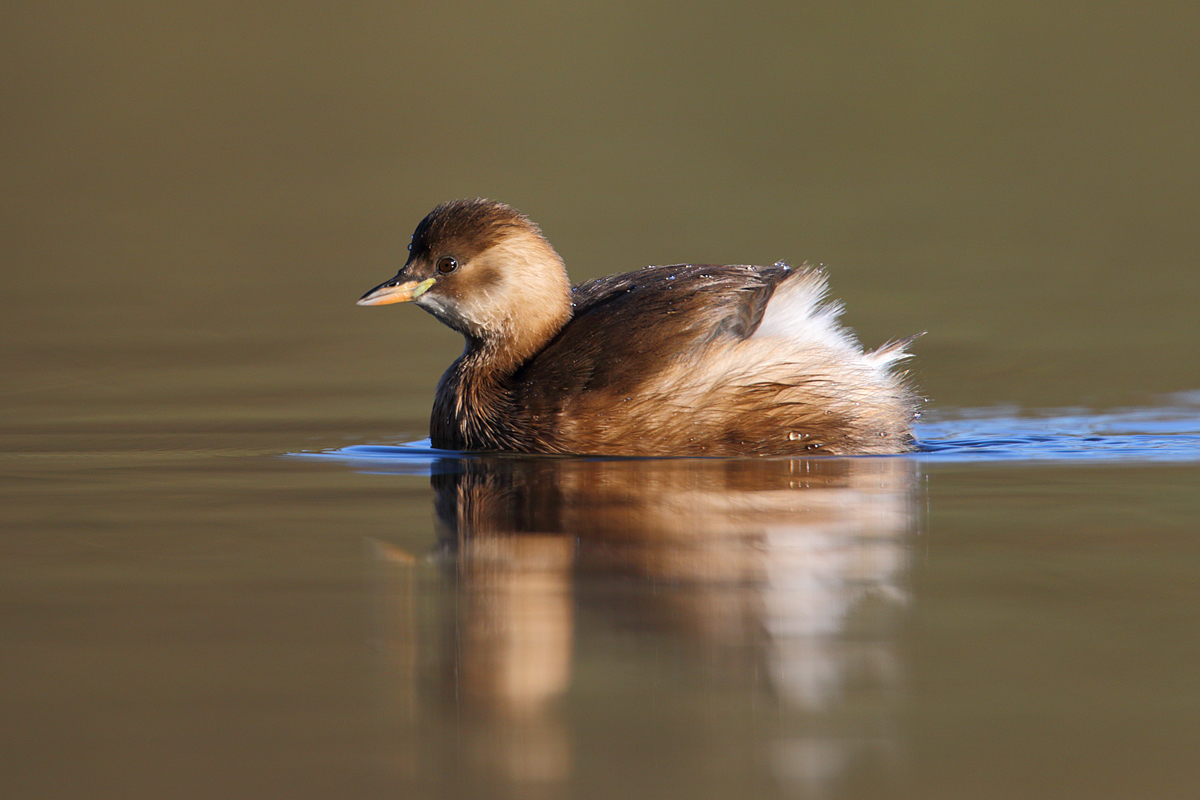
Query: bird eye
(447,264)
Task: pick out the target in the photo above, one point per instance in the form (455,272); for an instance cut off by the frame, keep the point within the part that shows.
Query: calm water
(229,567)
(390,620)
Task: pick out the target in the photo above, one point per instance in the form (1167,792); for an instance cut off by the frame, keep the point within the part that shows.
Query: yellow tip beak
(395,291)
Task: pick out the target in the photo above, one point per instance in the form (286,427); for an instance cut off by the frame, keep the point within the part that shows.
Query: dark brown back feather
(608,345)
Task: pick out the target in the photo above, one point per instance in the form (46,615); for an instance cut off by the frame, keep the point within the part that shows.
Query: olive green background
(195,194)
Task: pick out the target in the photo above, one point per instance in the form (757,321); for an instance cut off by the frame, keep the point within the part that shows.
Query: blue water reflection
(1168,433)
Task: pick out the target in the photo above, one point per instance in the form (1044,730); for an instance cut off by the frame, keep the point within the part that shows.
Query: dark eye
(447,264)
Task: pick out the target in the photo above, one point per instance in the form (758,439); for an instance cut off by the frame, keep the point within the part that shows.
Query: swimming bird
(682,360)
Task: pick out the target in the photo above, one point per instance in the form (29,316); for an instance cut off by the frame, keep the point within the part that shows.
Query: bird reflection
(793,569)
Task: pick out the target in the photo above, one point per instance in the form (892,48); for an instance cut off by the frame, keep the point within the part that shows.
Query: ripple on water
(1167,433)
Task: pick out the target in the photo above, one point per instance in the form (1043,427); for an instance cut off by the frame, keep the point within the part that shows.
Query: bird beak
(397,290)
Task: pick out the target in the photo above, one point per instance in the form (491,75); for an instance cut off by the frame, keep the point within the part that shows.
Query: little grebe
(675,360)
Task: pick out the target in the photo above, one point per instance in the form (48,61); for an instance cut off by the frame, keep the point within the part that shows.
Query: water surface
(226,571)
(390,619)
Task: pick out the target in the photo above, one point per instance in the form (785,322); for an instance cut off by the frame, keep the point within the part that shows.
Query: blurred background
(195,195)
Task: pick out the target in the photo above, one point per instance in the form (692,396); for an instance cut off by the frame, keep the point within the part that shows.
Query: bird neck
(474,400)
(536,305)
